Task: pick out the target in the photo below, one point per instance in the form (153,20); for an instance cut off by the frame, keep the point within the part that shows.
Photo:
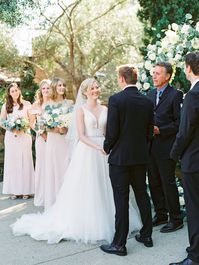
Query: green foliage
(28,86)
(157,15)
(12,11)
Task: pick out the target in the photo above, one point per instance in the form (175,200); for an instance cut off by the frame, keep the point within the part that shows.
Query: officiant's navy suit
(162,183)
(129,129)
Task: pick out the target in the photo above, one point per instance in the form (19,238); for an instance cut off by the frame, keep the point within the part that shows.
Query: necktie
(158,96)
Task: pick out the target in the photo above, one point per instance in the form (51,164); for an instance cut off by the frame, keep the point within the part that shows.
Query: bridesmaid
(18,162)
(56,150)
(41,100)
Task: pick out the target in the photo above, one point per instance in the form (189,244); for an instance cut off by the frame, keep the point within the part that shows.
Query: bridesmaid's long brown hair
(9,100)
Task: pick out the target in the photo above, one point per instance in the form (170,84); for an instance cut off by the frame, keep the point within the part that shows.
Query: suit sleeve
(189,120)
(172,127)
(150,124)
(113,127)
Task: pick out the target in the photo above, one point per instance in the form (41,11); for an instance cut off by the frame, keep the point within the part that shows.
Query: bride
(84,209)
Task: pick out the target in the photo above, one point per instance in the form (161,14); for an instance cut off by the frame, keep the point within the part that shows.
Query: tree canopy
(12,11)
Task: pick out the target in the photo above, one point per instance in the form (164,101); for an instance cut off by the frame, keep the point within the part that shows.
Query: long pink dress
(18,161)
(56,163)
(40,152)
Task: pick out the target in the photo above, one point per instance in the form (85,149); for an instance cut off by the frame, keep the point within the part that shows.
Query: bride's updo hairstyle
(128,72)
(87,84)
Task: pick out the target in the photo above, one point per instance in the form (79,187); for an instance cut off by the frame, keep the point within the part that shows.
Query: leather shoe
(113,249)
(185,262)
(171,227)
(159,220)
(147,241)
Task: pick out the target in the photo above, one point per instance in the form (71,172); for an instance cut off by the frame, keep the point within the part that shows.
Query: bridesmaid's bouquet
(57,116)
(16,123)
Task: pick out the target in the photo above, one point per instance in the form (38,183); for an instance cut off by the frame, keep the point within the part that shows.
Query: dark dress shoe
(171,227)
(113,249)
(159,220)
(185,262)
(147,241)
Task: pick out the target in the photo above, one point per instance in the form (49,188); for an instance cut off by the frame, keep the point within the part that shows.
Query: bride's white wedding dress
(84,209)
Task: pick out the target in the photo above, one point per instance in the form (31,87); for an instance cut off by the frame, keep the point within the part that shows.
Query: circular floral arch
(177,42)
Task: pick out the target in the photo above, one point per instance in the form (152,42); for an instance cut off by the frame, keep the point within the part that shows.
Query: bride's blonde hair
(87,84)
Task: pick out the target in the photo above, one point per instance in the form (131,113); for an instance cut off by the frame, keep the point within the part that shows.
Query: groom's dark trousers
(129,128)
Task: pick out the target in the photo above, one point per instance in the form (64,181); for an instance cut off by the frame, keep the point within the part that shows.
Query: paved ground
(26,251)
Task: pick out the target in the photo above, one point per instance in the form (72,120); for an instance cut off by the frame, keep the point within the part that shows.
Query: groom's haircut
(167,66)
(192,59)
(129,72)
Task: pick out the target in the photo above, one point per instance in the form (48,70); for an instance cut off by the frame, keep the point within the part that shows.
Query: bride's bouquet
(56,116)
(16,123)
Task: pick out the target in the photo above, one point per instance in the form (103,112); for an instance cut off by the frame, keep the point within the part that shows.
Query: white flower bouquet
(56,116)
(16,123)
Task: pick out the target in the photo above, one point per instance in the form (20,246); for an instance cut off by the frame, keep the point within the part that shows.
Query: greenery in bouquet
(178,40)
(16,123)
(57,116)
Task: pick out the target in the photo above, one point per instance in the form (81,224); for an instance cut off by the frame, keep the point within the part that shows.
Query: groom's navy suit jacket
(186,145)
(129,127)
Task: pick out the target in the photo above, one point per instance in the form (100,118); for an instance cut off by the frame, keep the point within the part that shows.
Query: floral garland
(177,42)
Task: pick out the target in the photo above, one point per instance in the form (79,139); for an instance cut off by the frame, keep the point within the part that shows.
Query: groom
(129,129)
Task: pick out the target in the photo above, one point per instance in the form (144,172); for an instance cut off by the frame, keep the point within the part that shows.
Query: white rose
(143,77)
(151,47)
(178,57)
(180,189)
(151,71)
(159,50)
(195,43)
(172,36)
(188,16)
(170,55)
(174,26)
(140,65)
(164,42)
(139,85)
(182,202)
(185,29)
(146,86)
(148,65)
(197,26)
(152,56)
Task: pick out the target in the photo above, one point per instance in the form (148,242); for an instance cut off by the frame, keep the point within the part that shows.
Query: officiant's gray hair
(87,84)
(167,66)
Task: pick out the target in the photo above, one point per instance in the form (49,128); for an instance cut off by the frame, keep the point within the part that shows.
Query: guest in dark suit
(164,192)
(186,146)
(129,128)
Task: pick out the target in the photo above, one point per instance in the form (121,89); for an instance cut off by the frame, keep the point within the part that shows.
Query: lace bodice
(95,127)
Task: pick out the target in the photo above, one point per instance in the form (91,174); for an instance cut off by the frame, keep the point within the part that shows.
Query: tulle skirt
(84,209)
